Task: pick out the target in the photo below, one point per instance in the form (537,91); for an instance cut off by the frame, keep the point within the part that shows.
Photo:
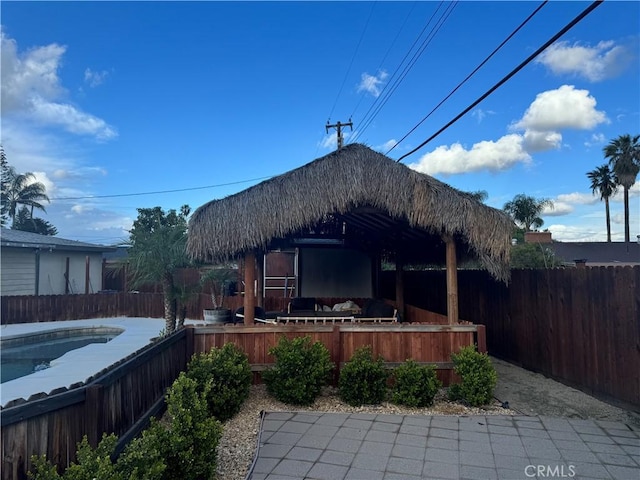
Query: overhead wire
(406,19)
(434,31)
(528,60)
(393,75)
(509,37)
(355,53)
(136,194)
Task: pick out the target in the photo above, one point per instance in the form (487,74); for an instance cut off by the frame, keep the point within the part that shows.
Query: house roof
(601,253)
(372,202)
(20,239)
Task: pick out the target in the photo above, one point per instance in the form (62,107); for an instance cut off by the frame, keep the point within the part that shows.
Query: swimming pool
(76,366)
(26,354)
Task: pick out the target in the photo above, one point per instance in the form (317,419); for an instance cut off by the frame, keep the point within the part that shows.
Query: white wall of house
(18,271)
(53,267)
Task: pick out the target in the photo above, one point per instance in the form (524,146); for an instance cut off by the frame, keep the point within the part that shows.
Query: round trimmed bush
(300,371)
(415,385)
(478,377)
(363,379)
(228,373)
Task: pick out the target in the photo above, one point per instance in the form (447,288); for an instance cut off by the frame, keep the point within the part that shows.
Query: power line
(355,53)
(434,31)
(162,191)
(413,6)
(471,74)
(568,27)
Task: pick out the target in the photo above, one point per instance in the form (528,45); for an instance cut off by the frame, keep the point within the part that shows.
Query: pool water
(25,357)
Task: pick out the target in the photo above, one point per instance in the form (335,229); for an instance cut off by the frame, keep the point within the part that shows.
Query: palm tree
(21,189)
(624,158)
(158,248)
(603,181)
(526,210)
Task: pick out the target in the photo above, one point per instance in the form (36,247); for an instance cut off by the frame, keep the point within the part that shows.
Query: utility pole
(338,126)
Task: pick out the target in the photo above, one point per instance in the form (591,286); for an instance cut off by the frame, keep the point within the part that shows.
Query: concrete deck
(331,446)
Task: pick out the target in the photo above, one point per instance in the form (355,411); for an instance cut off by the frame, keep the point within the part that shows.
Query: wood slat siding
(396,344)
(578,326)
(113,402)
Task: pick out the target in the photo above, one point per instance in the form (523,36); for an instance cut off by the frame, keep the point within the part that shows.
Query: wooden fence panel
(112,403)
(579,326)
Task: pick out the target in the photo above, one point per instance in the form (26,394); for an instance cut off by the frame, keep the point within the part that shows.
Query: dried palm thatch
(341,182)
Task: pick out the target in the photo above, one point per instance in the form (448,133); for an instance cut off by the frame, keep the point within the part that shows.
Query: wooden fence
(431,344)
(580,326)
(119,401)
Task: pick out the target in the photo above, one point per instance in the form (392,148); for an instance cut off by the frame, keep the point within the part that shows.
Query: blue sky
(106,101)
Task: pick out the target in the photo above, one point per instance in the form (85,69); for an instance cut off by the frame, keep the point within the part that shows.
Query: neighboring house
(591,254)
(598,254)
(33,264)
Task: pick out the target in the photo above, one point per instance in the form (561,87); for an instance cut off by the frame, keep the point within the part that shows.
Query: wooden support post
(249,288)
(87,277)
(452,281)
(260,279)
(400,284)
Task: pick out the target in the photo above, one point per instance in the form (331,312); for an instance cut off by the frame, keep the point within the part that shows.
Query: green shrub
(228,373)
(188,445)
(415,385)
(90,463)
(185,448)
(477,374)
(363,380)
(300,371)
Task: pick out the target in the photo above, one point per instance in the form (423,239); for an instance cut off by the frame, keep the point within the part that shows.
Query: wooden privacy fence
(119,401)
(431,344)
(580,326)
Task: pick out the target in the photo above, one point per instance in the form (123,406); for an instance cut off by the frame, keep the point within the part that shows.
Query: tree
(22,189)
(479,195)
(4,184)
(532,255)
(603,181)
(158,247)
(624,158)
(25,222)
(526,210)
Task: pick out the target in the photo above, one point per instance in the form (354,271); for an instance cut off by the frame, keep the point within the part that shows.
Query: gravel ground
(238,443)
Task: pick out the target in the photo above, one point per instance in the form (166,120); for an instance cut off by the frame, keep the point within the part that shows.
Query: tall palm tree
(158,248)
(21,189)
(624,158)
(526,210)
(603,181)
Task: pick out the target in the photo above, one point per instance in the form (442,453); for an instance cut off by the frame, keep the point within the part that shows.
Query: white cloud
(550,112)
(481,114)
(559,209)
(604,60)
(596,139)
(578,198)
(386,146)
(372,83)
(579,233)
(486,155)
(562,108)
(95,78)
(541,141)
(31,87)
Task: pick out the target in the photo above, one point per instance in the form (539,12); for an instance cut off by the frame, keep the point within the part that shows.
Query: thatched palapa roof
(379,204)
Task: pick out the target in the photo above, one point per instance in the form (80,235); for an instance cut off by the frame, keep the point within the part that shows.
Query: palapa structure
(367,201)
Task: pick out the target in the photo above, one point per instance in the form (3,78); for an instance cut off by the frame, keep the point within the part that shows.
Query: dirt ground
(534,394)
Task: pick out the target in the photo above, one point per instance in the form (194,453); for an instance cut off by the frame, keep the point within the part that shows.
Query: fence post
(481,338)
(93,406)
(336,353)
